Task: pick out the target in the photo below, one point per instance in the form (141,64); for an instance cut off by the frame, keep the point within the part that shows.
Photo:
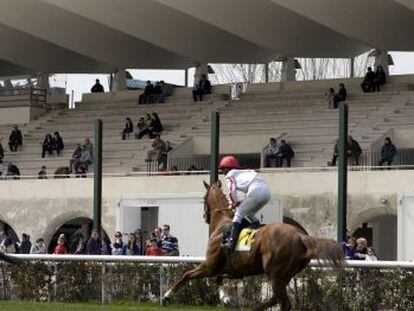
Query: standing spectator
(380,78)
(13,171)
(360,249)
(355,150)
(271,153)
(156,123)
(147,96)
(157,234)
(388,152)
(25,245)
(1,152)
(39,247)
(349,248)
(202,87)
(15,139)
(42,173)
(97,87)
(94,245)
(368,84)
(159,151)
(58,141)
(371,256)
(153,249)
(75,158)
(146,127)
(128,128)
(330,96)
(80,248)
(341,96)
(169,243)
(48,145)
(140,241)
(285,153)
(118,244)
(131,248)
(62,246)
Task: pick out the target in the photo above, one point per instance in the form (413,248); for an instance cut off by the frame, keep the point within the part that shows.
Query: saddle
(246,235)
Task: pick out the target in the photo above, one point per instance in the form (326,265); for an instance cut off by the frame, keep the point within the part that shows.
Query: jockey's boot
(255,223)
(230,244)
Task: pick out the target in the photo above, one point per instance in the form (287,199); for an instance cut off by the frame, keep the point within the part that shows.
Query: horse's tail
(326,250)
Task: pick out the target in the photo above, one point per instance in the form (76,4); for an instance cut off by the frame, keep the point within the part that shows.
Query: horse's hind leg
(280,291)
(198,272)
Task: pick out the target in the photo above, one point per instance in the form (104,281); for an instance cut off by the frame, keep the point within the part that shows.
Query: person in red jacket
(61,248)
(153,249)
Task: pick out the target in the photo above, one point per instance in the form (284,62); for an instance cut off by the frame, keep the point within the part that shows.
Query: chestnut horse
(279,251)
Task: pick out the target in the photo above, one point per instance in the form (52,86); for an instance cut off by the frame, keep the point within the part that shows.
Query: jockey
(257,194)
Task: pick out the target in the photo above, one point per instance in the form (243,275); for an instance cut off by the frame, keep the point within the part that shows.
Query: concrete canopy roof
(59,36)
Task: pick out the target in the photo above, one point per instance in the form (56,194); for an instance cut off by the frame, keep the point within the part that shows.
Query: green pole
(97,176)
(214,150)
(342,171)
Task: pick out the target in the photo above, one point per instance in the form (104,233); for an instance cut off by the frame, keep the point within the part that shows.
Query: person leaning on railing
(388,152)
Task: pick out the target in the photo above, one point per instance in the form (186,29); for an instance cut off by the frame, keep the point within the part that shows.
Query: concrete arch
(368,214)
(9,230)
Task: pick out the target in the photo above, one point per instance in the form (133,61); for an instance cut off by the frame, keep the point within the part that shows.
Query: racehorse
(279,251)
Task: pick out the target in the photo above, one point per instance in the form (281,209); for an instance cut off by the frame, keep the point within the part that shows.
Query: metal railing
(403,159)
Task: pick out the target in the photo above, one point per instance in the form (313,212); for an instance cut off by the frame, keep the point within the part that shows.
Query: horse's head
(213,199)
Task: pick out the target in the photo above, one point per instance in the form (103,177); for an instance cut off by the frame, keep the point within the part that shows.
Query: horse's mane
(221,198)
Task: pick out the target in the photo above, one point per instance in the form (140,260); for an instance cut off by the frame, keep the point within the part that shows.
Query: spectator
(146,127)
(42,173)
(169,243)
(140,241)
(58,142)
(166,89)
(388,152)
(271,153)
(380,78)
(159,95)
(25,245)
(105,247)
(1,152)
(94,245)
(202,87)
(368,84)
(354,150)
(153,249)
(131,248)
(341,96)
(330,96)
(48,145)
(156,123)
(80,248)
(82,165)
(285,153)
(62,172)
(97,88)
(62,246)
(75,158)
(39,247)
(8,246)
(13,171)
(159,151)
(371,256)
(128,128)
(360,249)
(118,244)
(148,95)
(88,145)
(349,248)
(15,139)
(157,234)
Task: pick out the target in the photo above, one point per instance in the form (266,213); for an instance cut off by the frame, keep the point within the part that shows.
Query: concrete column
(352,67)
(43,81)
(381,59)
(119,81)
(200,69)
(266,72)
(288,69)
(186,77)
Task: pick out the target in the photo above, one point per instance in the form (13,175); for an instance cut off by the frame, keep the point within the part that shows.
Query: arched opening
(8,230)
(75,230)
(381,234)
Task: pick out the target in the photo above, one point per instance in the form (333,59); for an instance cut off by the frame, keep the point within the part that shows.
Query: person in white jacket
(256,191)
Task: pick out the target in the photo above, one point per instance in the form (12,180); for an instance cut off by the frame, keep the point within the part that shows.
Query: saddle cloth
(245,240)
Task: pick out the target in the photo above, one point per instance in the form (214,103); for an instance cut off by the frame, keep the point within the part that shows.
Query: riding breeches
(256,198)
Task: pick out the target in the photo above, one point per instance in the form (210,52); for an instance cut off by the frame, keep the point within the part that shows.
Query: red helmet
(229,162)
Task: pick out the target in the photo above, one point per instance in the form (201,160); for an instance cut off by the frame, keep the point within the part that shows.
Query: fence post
(105,298)
(161,284)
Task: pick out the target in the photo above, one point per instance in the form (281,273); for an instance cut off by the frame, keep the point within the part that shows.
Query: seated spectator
(371,256)
(368,84)
(62,246)
(202,87)
(1,152)
(118,244)
(62,172)
(80,248)
(75,158)
(169,243)
(166,89)
(354,150)
(388,152)
(146,127)
(330,97)
(380,78)
(25,244)
(97,88)
(153,249)
(341,96)
(82,165)
(271,153)
(159,151)
(48,145)
(39,247)
(13,171)
(131,248)
(156,124)
(148,96)
(349,248)
(159,95)
(15,139)
(360,249)
(58,142)
(285,153)
(88,145)
(94,244)
(128,128)
(42,173)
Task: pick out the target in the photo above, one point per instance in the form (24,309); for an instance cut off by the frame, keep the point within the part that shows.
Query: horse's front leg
(200,271)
